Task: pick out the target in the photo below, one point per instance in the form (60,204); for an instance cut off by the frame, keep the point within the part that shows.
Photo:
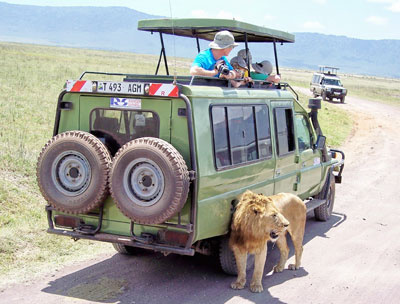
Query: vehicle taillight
(67,221)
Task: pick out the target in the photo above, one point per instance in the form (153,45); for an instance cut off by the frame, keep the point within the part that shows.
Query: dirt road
(352,258)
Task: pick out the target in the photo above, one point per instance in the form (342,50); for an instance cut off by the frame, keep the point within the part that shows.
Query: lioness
(259,219)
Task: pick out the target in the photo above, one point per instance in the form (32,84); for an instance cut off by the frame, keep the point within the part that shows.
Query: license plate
(120,87)
(337,93)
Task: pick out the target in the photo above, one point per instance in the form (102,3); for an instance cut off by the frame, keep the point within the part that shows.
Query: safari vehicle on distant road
(326,83)
(158,162)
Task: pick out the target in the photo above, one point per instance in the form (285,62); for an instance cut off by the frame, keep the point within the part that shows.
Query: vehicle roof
(206,29)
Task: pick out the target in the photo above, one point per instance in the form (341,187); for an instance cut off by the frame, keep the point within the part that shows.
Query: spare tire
(149,180)
(72,172)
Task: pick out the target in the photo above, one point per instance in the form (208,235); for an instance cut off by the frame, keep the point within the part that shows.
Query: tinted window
(117,127)
(249,134)
(334,82)
(284,130)
(303,132)
(220,130)
(241,134)
(236,134)
(263,132)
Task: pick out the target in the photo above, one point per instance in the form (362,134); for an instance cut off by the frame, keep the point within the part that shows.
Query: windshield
(335,82)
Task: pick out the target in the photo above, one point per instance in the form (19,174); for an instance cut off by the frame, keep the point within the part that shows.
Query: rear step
(314,203)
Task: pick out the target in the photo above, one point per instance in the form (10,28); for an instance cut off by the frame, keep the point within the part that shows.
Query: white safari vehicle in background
(326,83)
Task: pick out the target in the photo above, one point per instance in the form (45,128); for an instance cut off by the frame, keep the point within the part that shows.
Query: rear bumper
(145,241)
(124,240)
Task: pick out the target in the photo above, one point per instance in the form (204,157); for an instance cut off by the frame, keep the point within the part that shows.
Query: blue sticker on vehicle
(130,103)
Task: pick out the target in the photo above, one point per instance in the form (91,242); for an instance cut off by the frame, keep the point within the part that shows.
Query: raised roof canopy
(206,29)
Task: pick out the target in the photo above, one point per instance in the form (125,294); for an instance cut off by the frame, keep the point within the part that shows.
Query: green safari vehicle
(157,162)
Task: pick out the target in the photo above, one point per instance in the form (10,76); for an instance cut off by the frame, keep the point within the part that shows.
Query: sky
(363,19)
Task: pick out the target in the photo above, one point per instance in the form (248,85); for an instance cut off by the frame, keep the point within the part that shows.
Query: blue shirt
(206,60)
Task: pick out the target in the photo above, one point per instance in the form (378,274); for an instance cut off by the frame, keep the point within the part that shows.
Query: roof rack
(190,80)
(328,70)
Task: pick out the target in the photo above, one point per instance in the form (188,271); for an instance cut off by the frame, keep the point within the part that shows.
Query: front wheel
(342,99)
(324,96)
(324,212)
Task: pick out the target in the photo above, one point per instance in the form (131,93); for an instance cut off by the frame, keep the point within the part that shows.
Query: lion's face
(265,216)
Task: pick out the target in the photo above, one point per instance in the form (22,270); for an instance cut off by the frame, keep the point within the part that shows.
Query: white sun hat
(223,40)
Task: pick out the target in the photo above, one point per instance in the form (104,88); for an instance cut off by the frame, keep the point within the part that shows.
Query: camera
(222,67)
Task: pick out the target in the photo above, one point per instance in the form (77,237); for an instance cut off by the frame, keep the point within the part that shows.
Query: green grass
(31,78)
(376,89)
(335,123)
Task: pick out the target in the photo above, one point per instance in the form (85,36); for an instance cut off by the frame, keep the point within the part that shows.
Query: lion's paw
(278,268)
(238,285)
(256,287)
(293,267)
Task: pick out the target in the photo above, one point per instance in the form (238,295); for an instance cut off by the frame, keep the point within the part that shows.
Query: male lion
(259,219)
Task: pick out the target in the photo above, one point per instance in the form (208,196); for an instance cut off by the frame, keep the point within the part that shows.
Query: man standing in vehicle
(213,62)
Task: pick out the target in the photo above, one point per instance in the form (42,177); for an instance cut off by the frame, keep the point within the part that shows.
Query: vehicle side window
(237,134)
(241,134)
(303,132)
(263,132)
(284,130)
(221,140)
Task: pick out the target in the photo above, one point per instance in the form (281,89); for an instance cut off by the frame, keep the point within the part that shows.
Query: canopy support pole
(198,43)
(162,53)
(276,59)
(247,52)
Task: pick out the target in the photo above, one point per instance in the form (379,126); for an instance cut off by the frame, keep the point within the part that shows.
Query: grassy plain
(31,78)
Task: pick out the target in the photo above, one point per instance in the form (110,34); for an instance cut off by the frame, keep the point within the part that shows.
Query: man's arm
(196,70)
(273,78)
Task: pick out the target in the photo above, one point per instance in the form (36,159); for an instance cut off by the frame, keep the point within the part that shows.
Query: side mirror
(320,144)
